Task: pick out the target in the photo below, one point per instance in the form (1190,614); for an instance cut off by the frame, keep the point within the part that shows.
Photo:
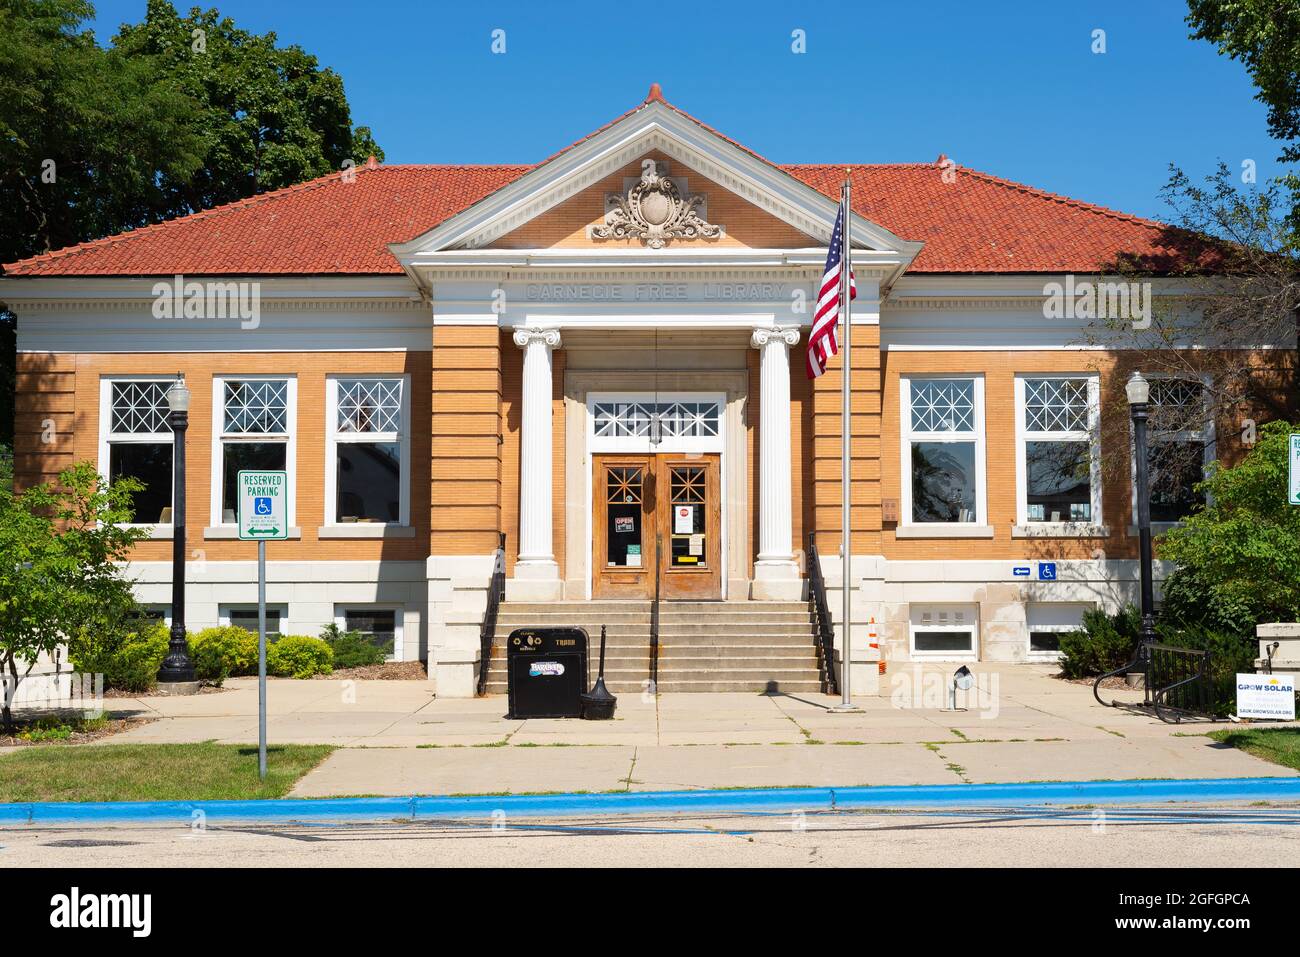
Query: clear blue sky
(1011,88)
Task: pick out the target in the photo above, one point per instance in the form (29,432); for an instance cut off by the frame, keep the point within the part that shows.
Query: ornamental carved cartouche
(654,211)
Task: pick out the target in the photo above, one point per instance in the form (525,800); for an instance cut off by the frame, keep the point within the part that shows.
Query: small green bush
(351,649)
(299,656)
(134,666)
(1102,643)
(224,652)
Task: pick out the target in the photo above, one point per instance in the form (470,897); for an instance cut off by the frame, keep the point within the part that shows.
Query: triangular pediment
(557,203)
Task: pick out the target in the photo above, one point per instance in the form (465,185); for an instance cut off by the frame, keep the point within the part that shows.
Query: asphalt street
(1182,835)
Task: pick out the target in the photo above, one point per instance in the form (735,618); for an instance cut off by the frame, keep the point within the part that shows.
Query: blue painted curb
(626,803)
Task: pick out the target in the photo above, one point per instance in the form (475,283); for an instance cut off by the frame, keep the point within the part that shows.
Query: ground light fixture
(176,676)
(962,679)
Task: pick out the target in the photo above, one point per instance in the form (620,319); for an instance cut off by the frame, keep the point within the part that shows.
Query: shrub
(129,660)
(224,652)
(351,649)
(1237,560)
(299,656)
(1102,643)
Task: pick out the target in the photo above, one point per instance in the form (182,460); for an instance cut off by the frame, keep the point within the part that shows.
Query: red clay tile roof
(976,223)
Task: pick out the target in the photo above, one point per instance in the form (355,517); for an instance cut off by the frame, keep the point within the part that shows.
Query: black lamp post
(176,676)
(1139,391)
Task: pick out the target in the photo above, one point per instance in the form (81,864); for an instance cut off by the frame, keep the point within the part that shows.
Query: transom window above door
(649,422)
(656,420)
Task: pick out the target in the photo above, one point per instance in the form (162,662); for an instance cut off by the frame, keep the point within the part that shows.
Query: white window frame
(1206,435)
(1092,435)
(219,439)
(333,437)
(224,610)
(1052,628)
(971,625)
(908,436)
(107,438)
(399,621)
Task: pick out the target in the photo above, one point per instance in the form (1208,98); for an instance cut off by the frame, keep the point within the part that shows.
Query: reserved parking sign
(263,506)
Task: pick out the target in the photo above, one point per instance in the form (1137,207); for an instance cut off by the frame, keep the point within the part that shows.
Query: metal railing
(654,621)
(1177,682)
(496,591)
(823,627)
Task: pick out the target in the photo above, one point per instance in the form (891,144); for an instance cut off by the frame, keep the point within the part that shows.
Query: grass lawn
(153,772)
(1279,745)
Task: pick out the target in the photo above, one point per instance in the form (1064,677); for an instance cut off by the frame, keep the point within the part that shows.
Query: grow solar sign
(1293,470)
(263,506)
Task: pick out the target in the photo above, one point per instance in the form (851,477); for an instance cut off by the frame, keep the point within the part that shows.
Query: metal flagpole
(846,272)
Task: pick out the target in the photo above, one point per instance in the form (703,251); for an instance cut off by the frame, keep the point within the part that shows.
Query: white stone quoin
(536,574)
(776,574)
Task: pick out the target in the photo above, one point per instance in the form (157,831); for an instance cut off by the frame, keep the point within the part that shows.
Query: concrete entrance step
(714,686)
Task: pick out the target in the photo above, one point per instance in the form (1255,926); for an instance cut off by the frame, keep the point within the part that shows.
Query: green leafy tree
(1264,35)
(268,116)
(166,121)
(60,549)
(1238,561)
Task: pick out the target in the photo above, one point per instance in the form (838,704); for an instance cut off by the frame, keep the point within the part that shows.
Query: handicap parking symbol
(1047,571)
(261,506)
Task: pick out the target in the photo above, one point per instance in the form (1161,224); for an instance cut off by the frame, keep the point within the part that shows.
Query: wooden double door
(656,511)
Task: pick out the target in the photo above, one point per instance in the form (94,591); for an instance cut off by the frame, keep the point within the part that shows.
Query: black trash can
(546,672)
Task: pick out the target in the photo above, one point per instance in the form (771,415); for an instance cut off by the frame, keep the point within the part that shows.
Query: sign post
(1293,469)
(263,514)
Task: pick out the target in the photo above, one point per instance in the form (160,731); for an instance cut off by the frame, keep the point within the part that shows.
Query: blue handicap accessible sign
(261,506)
(1047,571)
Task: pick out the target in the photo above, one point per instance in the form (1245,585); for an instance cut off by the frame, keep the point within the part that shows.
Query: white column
(776,574)
(536,561)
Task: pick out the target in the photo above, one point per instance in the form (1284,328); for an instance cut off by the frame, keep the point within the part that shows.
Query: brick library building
(567,391)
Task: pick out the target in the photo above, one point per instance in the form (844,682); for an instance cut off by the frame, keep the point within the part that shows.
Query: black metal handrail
(654,623)
(496,591)
(823,627)
(1183,683)
(1177,682)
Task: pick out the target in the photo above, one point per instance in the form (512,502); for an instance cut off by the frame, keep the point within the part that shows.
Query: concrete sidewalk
(396,738)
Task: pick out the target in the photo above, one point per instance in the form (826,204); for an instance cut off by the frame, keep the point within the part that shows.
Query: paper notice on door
(683,519)
(697,544)
(634,556)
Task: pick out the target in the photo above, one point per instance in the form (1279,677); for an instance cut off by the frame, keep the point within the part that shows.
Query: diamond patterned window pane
(1177,405)
(1056,405)
(257,407)
(139,408)
(370,405)
(675,419)
(943,405)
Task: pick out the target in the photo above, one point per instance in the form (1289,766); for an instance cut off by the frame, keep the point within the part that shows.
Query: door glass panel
(624,486)
(687,485)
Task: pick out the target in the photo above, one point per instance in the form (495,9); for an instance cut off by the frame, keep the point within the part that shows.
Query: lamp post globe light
(176,676)
(1139,393)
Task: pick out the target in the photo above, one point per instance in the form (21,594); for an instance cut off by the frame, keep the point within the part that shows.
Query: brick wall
(63,391)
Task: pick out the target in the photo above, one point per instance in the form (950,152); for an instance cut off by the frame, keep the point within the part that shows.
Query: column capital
(525,337)
(787,334)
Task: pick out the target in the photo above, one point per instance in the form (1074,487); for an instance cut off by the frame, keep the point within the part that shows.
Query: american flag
(822,341)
